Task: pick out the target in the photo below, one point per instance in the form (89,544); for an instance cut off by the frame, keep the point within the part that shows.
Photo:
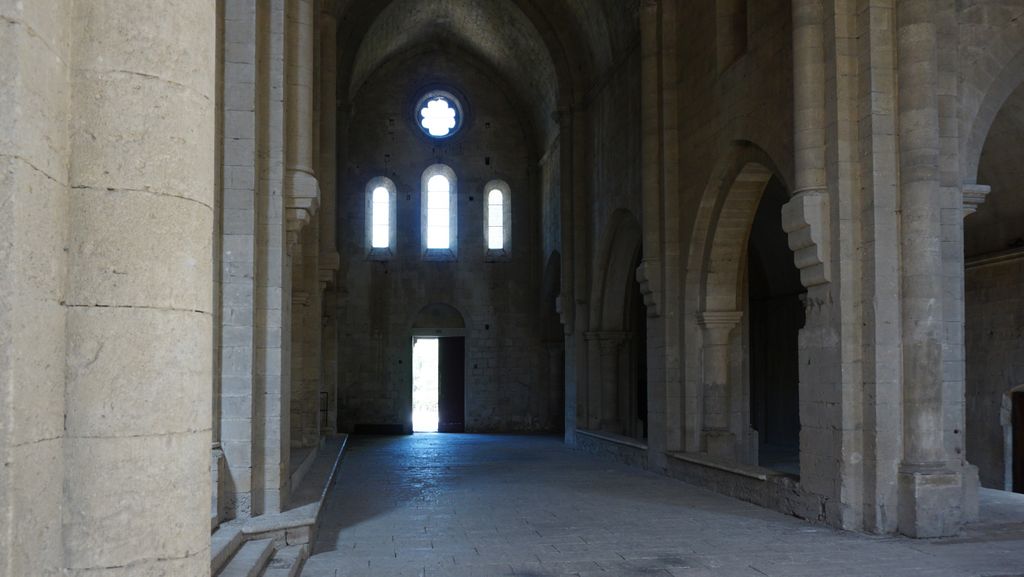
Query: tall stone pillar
(930,494)
(805,218)
(302,187)
(306,340)
(719,440)
(556,371)
(139,321)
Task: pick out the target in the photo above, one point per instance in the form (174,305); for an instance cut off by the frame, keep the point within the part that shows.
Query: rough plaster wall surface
(379,300)
(34,92)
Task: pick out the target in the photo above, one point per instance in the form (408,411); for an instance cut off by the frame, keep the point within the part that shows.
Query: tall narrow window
(438,192)
(497,220)
(380,218)
(381,204)
(438,213)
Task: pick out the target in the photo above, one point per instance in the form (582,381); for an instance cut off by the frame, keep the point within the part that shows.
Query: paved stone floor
(488,506)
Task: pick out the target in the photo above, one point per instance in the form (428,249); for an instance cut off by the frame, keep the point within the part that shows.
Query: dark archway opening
(636,325)
(775,317)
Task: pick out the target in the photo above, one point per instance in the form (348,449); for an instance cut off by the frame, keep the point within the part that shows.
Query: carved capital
(805,218)
(973,196)
(648,274)
(719,324)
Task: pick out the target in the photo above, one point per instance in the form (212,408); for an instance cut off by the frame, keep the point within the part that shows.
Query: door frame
(428,333)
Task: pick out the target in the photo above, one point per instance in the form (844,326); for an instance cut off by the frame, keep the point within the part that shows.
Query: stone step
(287,562)
(250,560)
(224,543)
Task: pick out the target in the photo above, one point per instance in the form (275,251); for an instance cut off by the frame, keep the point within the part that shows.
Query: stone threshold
(749,471)
(613,438)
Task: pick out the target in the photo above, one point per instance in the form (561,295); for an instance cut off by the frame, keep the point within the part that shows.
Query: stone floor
(488,506)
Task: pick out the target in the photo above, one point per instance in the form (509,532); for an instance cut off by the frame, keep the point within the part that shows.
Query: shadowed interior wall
(507,366)
(994,294)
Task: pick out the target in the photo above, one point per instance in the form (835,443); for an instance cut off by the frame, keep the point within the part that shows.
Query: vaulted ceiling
(532,44)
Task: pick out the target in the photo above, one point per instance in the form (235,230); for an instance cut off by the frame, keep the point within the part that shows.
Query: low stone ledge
(298,525)
(703,460)
(616,447)
(764,487)
(613,438)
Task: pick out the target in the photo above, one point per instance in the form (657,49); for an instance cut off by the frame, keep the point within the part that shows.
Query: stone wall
(995,349)
(379,298)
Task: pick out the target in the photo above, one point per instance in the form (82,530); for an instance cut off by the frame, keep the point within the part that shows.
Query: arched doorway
(438,370)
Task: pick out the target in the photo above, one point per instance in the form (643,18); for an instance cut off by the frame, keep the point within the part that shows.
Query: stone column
(272,378)
(556,371)
(238,258)
(34,101)
(805,218)
(651,146)
(719,440)
(302,187)
(929,493)
(139,320)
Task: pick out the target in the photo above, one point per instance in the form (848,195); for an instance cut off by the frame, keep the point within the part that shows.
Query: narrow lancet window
(381,208)
(438,212)
(495,220)
(380,218)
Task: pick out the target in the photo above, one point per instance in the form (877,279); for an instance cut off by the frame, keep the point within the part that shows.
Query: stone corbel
(303,198)
(973,196)
(648,274)
(330,263)
(805,218)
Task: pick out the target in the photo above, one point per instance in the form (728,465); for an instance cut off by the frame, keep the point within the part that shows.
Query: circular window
(439,114)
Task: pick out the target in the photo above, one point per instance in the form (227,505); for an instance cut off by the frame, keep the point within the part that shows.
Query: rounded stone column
(139,322)
(930,495)
(718,326)
(303,189)
(808,95)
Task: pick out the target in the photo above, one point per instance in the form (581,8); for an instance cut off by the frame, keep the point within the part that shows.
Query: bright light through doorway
(425,372)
